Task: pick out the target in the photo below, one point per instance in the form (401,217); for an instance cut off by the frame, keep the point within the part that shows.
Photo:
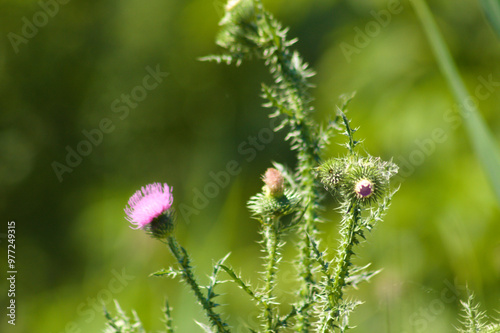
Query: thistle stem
(305,141)
(168,318)
(290,97)
(183,260)
(271,238)
(344,254)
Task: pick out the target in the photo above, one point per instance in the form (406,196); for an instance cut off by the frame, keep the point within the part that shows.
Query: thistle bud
(275,200)
(331,174)
(367,180)
(275,183)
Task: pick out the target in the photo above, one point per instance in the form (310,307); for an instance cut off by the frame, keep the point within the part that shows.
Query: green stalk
(344,254)
(481,138)
(168,318)
(333,292)
(305,141)
(183,260)
(271,239)
(253,30)
(305,260)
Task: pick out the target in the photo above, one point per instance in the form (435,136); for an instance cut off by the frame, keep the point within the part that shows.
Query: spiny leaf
(240,283)
(171,272)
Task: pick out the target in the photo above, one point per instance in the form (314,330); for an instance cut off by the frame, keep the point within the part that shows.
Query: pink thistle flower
(148,204)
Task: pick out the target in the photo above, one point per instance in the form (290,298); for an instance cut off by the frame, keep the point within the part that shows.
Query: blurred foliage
(72,238)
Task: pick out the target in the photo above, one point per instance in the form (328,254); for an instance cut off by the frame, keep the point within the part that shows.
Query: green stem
(168,318)
(305,141)
(291,98)
(344,254)
(183,260)
(271,239)
(306,262)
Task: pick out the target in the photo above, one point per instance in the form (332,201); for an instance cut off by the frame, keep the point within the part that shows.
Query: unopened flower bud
(275,183)
(331,174)
(275,200)
(366,180)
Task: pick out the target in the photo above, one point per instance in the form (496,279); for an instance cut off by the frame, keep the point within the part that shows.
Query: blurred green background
(59,81)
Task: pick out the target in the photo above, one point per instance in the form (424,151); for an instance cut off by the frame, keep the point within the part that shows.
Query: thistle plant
(290,201)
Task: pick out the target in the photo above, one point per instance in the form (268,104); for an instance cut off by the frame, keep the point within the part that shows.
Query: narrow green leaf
(166,272)
(349,132)
(160,272)
(481,138)
(240,282)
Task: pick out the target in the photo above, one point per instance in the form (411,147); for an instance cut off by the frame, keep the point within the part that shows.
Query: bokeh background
(74,249)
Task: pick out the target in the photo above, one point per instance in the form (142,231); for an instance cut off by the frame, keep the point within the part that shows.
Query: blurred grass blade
(481,138)
(491,9)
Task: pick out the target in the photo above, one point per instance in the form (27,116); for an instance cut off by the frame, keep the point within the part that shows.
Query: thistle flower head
(149,209)
(367,179)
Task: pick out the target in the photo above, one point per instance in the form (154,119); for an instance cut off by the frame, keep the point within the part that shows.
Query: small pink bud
(275,182)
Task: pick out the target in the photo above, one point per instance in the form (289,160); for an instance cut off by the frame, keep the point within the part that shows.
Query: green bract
(265,206)
(161,226)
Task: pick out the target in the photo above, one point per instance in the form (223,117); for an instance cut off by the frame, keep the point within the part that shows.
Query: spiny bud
(275,200)
(331,174)
(367,179)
